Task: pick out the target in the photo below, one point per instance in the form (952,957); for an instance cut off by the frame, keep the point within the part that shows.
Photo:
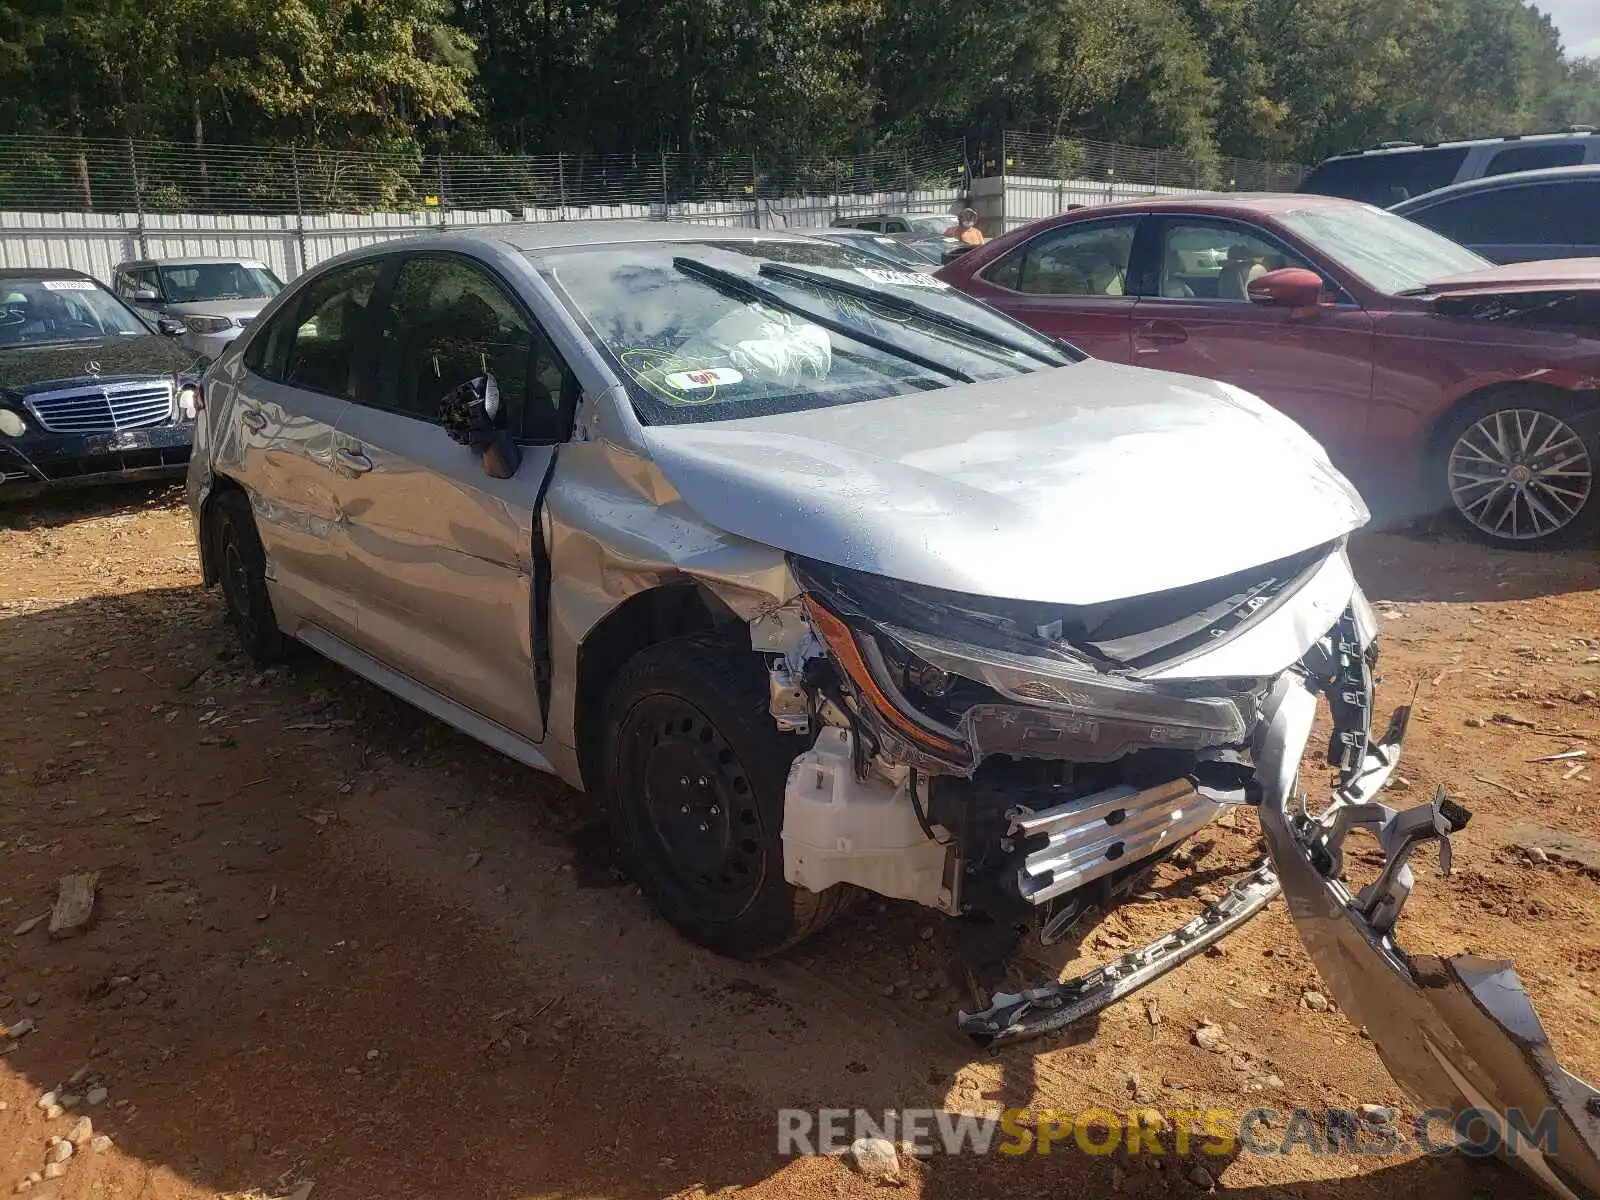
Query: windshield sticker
(707,377)
(253,265)
(903,278)
(67,285)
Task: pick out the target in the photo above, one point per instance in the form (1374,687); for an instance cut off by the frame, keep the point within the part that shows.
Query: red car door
(1195,317)
(1070,282)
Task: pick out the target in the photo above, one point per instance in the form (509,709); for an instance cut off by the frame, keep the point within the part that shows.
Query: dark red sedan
(1433,378)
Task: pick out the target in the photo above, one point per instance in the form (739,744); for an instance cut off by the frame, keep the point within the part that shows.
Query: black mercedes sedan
(89,391)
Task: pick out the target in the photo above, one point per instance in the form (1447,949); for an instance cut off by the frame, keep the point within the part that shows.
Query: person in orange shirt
(966,228)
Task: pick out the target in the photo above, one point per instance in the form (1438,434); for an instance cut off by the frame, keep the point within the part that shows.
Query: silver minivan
(215,298)
(823,578)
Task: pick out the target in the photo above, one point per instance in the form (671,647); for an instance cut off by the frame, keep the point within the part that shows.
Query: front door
(1196,317)
(442,554)
(1069,282)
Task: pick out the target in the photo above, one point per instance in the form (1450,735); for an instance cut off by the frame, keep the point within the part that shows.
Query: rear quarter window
(1386,179)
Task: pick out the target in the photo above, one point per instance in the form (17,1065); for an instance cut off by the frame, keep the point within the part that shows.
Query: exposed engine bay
(1012,764)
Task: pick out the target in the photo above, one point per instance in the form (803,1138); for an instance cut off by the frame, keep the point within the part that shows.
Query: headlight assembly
(959,683)
(208,324)
(12,424)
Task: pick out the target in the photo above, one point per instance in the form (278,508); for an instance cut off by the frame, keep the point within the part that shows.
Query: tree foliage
(783,79)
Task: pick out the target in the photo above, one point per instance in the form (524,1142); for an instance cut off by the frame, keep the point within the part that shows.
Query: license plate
(123,439)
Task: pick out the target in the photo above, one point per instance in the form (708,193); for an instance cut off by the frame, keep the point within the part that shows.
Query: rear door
(1196,318)
(441,554)
(300,372)
(1070,282)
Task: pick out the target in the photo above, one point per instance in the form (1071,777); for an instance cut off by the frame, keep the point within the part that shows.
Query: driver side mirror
(171,328)
(473,416)
(144,294)
(1288,287)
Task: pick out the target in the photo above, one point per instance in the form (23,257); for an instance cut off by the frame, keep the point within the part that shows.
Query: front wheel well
(643,620)
(220,486)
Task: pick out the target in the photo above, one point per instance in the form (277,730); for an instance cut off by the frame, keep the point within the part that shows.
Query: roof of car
(184,260)
(1409,147)
(562,235)
(42,273)
(1271,202)
(1489,183)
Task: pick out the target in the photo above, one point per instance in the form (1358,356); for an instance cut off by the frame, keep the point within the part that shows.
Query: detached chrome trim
(1095,835)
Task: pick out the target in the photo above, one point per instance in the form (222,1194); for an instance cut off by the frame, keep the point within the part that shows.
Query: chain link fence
(89,204)
(1044,156)
(53,174)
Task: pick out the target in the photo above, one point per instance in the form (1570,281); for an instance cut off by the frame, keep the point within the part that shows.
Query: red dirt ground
(297,872)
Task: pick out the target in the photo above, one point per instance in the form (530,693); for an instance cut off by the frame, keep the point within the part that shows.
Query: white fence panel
(96,242)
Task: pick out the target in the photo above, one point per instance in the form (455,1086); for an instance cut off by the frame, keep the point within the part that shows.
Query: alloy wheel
(1520,474)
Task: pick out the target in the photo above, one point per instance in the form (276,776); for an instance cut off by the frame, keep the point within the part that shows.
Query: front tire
(695,772)
(1518,469)
(242,569)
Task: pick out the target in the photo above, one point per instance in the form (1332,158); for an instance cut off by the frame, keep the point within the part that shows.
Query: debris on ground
(75,903)
(875,1158)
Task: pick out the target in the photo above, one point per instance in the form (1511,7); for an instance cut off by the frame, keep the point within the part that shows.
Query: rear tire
(242,569)
(695,772)
(1517,468)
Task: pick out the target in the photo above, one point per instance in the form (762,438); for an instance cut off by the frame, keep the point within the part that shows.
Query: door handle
(254,419)
(1156,334)
(351,462)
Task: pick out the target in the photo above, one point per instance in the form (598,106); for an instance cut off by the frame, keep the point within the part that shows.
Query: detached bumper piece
(1458,1034)
(1015,1017)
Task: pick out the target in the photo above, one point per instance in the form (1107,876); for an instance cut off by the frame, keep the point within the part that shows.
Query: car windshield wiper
(903,304)
(743,288)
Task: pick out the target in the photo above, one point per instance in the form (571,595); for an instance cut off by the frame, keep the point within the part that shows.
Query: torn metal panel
(615,528)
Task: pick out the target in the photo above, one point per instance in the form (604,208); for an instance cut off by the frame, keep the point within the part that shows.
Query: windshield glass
(1388,253)
(185,283)
(38,311)
(935,225)
(700,332)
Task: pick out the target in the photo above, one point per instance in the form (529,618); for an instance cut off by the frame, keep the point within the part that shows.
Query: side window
(121,284)
(1078,260)
(1575,206)
(1531,158)
(1498,217)
(321,344)
(1215,261)
(449,321)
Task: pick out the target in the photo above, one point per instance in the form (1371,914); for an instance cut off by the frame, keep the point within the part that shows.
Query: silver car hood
(1077,485)
(217,308)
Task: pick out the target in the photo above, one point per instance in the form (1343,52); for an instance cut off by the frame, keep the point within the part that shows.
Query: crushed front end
(1012,764)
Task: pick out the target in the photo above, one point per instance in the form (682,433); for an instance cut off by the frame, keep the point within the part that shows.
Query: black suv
(1396,171)
(89,391)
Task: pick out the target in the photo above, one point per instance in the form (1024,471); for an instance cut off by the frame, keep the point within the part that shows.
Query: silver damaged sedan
(822,579)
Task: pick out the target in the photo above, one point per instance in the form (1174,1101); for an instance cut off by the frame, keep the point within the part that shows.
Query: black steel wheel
(242,571)
(695,776)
